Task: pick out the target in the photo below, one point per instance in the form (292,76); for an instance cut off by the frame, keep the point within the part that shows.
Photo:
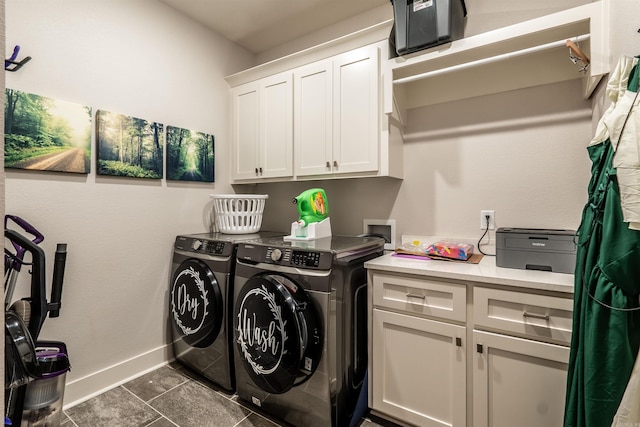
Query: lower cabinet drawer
(540,317)
(420,296)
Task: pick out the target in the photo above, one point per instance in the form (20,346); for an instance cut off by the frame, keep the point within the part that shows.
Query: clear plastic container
(43,397)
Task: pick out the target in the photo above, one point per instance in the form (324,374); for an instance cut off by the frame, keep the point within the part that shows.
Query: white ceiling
(260,25)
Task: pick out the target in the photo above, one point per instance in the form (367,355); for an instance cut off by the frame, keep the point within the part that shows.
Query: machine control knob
(197,244)
(276,254)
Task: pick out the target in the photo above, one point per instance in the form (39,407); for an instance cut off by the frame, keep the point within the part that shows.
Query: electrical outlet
(483,220)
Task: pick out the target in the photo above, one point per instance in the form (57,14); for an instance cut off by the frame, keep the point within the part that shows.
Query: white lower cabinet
(419,369)
(450,353)
(518,382)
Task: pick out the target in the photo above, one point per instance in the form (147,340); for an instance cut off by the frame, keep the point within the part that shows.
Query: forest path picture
(46,134)
(128,146)
(190,155)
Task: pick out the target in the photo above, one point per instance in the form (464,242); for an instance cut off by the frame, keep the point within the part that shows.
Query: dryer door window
(277,332)
(196,303)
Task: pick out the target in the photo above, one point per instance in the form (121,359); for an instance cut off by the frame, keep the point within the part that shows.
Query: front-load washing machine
(201,292)
(300,326)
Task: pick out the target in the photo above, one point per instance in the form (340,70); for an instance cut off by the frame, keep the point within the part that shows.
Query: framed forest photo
(46,134)
(128,146)
(190,155)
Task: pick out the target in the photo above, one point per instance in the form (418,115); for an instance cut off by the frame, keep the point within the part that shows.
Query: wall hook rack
(11,64)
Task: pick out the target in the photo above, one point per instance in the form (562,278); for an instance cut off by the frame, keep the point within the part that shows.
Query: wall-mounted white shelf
(526,54)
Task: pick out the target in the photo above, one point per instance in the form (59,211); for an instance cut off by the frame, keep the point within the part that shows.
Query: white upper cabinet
(262,128)
(356,111)
(336,114)
(313,124)
(276,127)
(245,112)
(319,118)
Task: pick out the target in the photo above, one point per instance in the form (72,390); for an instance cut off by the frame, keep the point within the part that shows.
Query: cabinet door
(245,101)
(518,382)
(418,369)
(313,118)
(356,111)
(276,127)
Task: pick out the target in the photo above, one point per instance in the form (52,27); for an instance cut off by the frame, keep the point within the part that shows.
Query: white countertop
(484,272)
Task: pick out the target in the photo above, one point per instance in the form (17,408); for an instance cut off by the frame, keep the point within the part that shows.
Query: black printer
(536,249)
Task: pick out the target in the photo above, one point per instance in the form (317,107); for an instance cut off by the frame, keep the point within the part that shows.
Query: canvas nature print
(46,134)
(128,146)
(190,155)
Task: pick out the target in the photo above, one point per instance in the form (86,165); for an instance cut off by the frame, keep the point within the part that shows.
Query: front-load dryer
(300,326)
(200,296)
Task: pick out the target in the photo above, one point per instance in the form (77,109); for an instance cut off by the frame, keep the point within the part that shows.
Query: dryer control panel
(211,247)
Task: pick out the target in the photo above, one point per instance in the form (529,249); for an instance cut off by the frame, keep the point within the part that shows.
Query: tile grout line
(161,394)
(70,419)
(147,405)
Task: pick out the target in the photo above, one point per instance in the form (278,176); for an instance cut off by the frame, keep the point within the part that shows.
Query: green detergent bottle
(312,206)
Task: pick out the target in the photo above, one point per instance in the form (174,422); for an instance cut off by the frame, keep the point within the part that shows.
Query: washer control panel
(305,259)
(294,257)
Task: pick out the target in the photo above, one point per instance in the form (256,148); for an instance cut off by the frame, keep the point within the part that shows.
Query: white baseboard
(82,389)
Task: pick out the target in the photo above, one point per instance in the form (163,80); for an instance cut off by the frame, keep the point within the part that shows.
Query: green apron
(604,341)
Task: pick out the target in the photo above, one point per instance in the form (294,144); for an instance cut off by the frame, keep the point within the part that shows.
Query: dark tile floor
(167,397)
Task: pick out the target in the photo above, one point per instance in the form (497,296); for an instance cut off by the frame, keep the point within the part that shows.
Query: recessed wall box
(385,228)
(419,24)
(536,249)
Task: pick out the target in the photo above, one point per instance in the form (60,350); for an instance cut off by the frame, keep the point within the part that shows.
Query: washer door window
(196,303)
(277,332)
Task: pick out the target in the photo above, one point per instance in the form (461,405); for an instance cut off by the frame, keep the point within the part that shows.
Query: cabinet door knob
(535,316)
(328,165)
(335,164)
(260,170)
(256,171)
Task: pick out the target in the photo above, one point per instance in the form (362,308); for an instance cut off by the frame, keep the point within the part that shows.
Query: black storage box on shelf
(420,24)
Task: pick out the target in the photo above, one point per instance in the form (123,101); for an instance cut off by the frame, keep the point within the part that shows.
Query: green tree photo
(190,155)
(46,134)
(128,146)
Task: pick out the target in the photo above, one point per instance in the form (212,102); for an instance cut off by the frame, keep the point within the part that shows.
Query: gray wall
(137,58)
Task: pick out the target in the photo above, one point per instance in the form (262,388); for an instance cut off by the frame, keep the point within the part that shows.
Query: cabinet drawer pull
(410,295)
(535,316)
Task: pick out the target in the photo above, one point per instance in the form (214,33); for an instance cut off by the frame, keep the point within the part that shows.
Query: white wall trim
(82,389)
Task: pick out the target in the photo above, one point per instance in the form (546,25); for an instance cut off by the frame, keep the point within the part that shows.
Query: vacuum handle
(38,298)
(37,236)
(58,277)
(20,250)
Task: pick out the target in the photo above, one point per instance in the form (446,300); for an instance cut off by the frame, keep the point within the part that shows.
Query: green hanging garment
(606,317)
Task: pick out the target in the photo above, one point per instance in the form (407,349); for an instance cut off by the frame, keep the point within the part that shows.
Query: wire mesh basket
(238,213)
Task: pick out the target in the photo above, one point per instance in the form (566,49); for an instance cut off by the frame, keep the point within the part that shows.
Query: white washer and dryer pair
(300,326)
(200,302)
